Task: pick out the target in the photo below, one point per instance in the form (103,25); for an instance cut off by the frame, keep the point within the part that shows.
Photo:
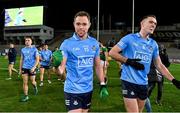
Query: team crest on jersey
(85,61)
(94,48)
(143,56)
(150,48)
(147,47)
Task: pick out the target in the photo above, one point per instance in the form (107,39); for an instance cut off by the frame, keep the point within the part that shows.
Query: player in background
(7,18)
(45,61)
(12,59)
(39,50)
(57,58)
(28,63)
(104,60)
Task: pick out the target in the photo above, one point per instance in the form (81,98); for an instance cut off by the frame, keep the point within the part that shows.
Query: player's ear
(89,24)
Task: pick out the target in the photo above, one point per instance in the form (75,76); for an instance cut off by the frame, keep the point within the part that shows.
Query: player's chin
(151,31)
(81,34)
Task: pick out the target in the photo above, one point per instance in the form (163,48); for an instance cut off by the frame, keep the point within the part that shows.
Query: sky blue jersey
(29,55)
(46,56)
(135,47)
(80,56)
(19,20)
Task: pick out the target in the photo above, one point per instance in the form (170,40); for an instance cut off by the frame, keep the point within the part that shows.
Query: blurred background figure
(57,58)
(7,18)
(158,77)
(155,76)
(12,59)
(45,61)
(104,60)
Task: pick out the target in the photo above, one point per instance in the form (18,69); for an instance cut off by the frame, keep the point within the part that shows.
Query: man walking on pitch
(138,50)
(28,62)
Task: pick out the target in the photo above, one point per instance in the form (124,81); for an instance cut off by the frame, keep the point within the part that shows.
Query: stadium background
(115,18)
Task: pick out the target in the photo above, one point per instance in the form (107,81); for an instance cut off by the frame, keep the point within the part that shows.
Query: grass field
(51,98)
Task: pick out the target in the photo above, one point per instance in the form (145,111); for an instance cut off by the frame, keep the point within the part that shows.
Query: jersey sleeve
(155,52)
(64,49)
(36,52)
(123,42)
(22,52)
(97,50)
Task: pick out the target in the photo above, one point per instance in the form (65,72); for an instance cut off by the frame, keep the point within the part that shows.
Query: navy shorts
(76,101)
(28,71)
(130,90)
(45,67)
(12,62)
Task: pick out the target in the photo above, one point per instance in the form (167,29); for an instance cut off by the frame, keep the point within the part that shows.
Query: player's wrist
(173,80)
(33,68)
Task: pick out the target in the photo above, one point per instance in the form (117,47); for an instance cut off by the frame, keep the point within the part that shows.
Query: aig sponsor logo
(85,61)
(143,56)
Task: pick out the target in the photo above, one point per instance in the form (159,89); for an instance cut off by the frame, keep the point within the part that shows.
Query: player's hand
(60,70)
(135,64)
(33,69)
(103,92)
(176,83)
